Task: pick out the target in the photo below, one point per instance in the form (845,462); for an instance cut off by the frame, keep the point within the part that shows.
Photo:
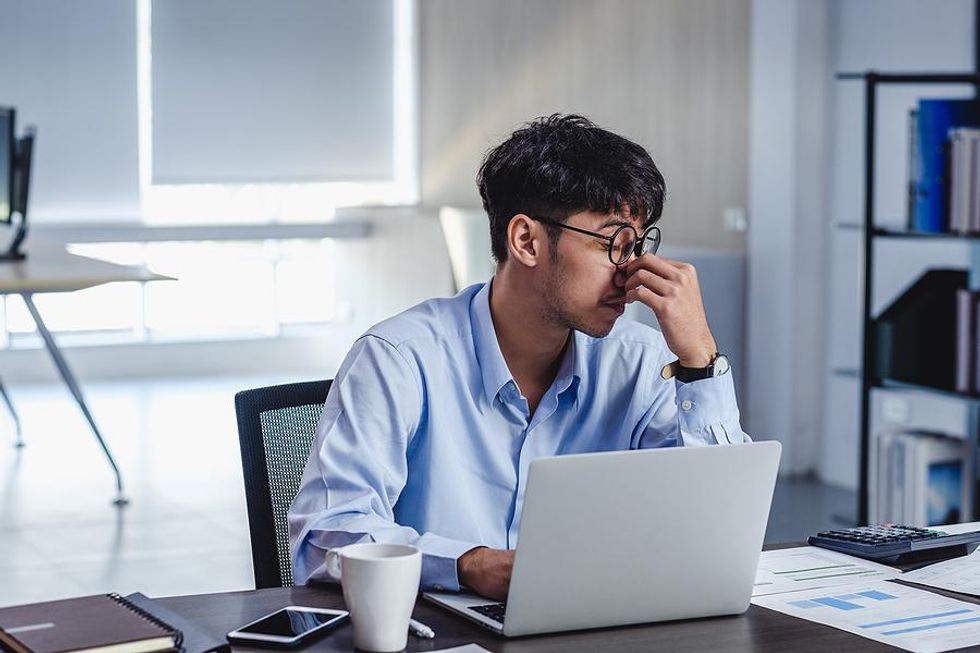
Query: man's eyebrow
(614,222)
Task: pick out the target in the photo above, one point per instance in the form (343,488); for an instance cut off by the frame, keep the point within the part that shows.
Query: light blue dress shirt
(425,439)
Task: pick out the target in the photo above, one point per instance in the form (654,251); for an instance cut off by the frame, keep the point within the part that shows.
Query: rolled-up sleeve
(699,413)
(358,468)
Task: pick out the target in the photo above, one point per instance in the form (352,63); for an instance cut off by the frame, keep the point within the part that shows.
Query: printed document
(957,575)
(909,618)
(808,567)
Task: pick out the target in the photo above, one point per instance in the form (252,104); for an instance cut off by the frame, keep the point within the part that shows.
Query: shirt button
(686,404)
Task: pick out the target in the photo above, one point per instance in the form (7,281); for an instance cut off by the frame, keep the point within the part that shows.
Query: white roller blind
(70,69)
(272,90)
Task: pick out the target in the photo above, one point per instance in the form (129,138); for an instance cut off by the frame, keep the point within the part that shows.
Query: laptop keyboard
(494,611)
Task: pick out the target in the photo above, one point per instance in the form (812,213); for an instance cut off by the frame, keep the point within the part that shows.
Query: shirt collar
(493,367)
(571,370)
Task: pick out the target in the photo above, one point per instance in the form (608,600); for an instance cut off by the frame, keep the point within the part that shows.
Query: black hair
(560,165)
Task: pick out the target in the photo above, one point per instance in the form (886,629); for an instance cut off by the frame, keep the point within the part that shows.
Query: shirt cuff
(707,410)
(439,557)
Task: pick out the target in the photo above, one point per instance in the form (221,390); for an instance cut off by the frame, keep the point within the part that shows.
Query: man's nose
(619,277)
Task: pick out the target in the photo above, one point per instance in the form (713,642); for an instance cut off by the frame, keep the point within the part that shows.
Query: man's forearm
(440,555)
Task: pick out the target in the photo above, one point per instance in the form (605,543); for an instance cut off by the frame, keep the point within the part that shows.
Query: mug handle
(332,563)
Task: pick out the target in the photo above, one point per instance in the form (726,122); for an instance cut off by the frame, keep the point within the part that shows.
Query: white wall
(671,75)
(787,172)
(806,175)
(884,35)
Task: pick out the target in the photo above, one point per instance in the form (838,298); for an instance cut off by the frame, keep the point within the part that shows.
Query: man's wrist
(467,562)
(697,362)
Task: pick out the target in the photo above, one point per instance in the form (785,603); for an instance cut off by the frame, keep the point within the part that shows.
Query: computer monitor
(15,179)
(7,156)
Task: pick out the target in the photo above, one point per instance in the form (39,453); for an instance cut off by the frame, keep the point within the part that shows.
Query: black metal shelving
(872,233)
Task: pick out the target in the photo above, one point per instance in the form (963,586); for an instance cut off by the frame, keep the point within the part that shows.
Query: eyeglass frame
(637,248)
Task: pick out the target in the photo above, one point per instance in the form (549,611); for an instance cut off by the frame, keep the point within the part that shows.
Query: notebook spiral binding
(153,619)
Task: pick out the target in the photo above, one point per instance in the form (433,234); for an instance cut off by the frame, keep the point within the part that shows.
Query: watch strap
(690,374)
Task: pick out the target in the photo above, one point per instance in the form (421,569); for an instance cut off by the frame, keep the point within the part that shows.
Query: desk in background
(55,270)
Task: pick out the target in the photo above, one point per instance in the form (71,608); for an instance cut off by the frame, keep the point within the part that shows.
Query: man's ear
(525,240)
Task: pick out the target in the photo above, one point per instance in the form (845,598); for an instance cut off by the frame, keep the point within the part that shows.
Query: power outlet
(733,217)
(895,410)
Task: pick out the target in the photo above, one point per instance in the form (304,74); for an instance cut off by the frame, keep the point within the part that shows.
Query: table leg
(13,413)
(69,378)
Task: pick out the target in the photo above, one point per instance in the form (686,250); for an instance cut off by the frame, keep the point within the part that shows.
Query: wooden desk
(757,630)
(55,270)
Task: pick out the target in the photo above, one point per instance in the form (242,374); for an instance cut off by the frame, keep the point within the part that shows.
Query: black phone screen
(290,623)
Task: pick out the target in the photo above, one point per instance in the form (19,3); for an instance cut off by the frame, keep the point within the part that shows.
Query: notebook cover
(77,624)
(196,638)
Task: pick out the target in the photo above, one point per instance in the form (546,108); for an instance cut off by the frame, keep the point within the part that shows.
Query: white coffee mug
(380,583)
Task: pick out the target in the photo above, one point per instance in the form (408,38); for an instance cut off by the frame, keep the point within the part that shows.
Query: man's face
(581,288)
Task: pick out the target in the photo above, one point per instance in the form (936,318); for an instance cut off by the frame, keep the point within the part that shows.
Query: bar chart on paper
(808,567)
(901,616)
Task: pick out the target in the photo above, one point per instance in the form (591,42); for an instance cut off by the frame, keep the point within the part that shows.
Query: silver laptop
(610,539)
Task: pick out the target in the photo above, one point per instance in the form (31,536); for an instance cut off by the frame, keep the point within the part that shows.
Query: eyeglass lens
(623,244)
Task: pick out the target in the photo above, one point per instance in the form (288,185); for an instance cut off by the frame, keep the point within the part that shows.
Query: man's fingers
(656,264)
(654,282)
(646,296)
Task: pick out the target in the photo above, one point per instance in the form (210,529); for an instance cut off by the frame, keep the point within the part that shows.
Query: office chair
(276,427)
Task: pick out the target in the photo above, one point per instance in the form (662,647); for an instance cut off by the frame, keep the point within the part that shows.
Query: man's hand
(486,571)
(671,289)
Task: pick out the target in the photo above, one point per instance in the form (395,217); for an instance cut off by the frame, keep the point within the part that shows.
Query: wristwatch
(716,367)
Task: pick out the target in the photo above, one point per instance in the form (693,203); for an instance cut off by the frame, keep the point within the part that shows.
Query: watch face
(720,365)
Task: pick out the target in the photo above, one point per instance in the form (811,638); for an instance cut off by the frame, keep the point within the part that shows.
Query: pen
(419,629)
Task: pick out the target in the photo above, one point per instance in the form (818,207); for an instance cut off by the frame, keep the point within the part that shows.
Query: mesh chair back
(276,428)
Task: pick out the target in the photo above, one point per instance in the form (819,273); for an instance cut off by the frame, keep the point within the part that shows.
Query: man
(436,413)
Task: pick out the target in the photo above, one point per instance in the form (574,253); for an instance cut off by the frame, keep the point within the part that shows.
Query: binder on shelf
(917,333)
(934,119)
(914,171)
(921,479)
(966,338)
(962,189)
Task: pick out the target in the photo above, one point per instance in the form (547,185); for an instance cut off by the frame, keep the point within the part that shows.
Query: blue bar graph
(877,596)
(906,620)
(843,601)
(931,626)
(834,602)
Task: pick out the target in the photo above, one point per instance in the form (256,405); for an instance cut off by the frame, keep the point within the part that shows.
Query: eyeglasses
(624,242)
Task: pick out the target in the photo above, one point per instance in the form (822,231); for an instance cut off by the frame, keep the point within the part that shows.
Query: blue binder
(935,119)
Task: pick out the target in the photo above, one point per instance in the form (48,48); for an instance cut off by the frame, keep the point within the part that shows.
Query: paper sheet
(958,575)
(909,618)
(808,567)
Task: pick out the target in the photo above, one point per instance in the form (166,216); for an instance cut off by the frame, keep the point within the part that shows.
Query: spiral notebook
(105,623)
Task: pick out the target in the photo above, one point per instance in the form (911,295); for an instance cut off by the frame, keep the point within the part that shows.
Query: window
(275,111)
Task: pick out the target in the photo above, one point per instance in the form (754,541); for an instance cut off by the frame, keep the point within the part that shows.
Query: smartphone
(292,626)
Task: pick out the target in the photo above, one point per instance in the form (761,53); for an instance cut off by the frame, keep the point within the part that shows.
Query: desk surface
(56,270)
(756,630)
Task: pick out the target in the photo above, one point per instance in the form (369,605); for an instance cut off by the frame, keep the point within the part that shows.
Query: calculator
(895,543)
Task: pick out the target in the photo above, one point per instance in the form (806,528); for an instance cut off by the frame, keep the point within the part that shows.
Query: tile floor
(185,530)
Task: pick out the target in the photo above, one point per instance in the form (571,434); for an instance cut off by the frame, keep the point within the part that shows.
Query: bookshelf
(872,234)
